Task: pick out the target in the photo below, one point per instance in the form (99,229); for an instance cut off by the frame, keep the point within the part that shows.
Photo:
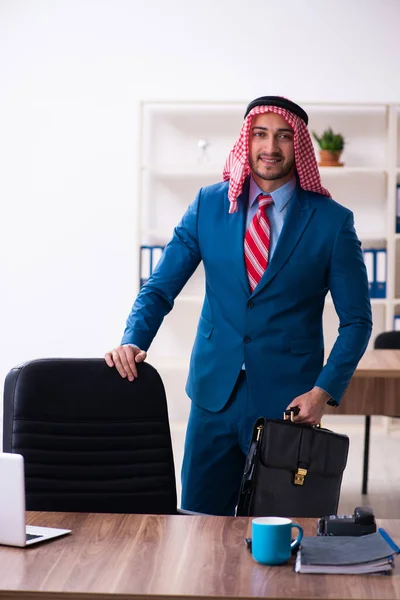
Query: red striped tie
(256,242)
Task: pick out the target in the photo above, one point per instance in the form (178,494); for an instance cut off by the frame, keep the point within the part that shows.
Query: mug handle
(297,541)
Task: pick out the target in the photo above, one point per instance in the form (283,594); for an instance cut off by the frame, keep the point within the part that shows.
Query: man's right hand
(124,359)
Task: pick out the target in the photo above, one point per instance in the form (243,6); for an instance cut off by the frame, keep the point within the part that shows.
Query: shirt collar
(281,196)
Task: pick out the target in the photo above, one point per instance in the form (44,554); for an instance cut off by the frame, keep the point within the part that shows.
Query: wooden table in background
(144,557)
(374,390)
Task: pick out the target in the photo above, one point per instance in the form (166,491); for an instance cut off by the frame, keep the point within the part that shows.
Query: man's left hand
(312,406)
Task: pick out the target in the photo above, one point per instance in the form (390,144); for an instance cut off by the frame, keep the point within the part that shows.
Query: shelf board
(374,301)
(165,236)
(185,172)
(161,236)
(215,173)
(170,364)
(372,238)
(355,107)
(190,298)
(340,171)
(177,107)
(379,301)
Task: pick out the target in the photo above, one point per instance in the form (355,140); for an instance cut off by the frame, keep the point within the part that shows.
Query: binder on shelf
(369,259)
(156,255)
(380,273)
(396,323)
(149,257)
(398,209)
(145,264)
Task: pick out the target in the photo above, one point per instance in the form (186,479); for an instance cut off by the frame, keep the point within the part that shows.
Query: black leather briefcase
(292,470)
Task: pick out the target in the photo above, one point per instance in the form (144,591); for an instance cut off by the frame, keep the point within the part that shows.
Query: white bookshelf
(173,167)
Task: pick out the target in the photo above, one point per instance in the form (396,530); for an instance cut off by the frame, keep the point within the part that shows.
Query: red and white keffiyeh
(237,166)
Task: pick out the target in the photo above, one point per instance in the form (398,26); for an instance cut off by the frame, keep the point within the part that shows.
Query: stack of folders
(367,554)
(149,257)
(376,264)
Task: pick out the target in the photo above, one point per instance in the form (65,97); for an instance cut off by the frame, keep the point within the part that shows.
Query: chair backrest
(92,441)
(388,340)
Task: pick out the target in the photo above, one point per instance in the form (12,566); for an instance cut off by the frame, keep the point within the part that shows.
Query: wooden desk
(374,390)
(165,557)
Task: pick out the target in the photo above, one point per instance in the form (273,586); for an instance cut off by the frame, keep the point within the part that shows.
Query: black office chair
(388,340)
(92,441)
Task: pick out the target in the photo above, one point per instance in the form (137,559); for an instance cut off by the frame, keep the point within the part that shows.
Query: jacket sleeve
(348,285)
(178,262)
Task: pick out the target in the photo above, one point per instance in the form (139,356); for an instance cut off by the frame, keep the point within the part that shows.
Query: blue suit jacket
(277,330)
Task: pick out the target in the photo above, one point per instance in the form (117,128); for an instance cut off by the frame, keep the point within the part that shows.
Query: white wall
(72,73)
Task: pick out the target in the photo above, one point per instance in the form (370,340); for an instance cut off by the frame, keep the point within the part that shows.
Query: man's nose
(270,145)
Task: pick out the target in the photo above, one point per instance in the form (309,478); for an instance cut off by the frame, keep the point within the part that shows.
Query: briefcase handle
(293,412)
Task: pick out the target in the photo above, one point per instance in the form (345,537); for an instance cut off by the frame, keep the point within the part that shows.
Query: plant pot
(330,158)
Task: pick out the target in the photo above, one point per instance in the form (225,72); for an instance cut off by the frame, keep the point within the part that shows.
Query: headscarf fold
(237,167)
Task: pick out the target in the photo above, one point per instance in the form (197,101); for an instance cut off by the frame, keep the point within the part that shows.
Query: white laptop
(13,530)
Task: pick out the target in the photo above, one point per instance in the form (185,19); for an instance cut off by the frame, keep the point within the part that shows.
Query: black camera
(361,523)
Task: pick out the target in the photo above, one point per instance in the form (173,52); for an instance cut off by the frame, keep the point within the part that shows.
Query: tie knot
(264,200)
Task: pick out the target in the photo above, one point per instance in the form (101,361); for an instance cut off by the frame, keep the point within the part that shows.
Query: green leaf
(329,140)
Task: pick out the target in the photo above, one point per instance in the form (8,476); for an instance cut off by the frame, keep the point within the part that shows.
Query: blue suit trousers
(216,446)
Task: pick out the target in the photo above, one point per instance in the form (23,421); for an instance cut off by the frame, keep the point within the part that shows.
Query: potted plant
(331,145)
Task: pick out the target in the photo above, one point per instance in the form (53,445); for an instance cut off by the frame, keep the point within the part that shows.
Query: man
(273,243)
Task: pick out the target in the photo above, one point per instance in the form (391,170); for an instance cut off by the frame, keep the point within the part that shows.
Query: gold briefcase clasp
(299,476)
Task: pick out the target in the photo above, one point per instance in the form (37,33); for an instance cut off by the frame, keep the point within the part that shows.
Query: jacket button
(247,339)
(250,304)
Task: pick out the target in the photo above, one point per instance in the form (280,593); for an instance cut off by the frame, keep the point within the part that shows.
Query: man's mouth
(270,161)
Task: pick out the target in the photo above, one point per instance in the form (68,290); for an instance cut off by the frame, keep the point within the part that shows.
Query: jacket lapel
(235,230)
(296,221)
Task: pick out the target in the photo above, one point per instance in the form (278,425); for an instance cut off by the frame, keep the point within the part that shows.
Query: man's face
(271,150)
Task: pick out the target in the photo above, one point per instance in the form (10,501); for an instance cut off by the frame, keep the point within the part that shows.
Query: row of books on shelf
(149,257)
(376,264)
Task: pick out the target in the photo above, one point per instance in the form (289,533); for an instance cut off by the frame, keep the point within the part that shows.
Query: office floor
(384,466)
